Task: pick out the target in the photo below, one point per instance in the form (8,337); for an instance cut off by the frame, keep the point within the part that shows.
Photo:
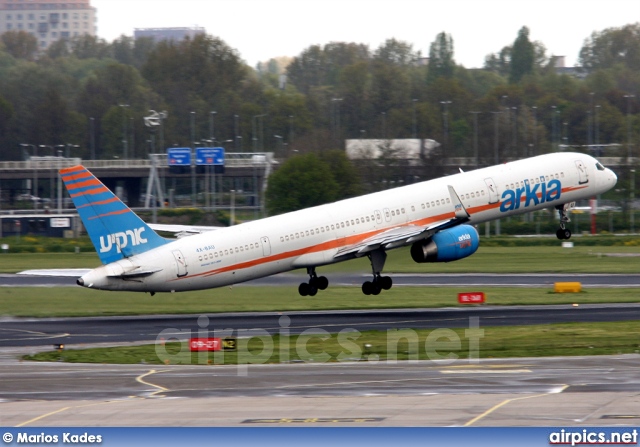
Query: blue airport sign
(179,156)
(210,156)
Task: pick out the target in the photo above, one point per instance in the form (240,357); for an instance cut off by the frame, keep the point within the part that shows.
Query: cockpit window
(600,167)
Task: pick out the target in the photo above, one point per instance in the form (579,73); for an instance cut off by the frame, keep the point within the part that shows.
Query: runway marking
(485,371)
(508,401)
(60,410)
(140,379)
(355,383)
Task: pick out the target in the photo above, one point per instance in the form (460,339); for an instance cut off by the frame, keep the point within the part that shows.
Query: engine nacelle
(447,245)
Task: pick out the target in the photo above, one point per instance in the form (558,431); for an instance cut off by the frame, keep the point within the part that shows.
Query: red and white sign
(471,298)
(204,344)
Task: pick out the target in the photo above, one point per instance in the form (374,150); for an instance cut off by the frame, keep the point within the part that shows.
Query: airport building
(48,20)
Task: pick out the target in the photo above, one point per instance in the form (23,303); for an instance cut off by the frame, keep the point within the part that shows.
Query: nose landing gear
(563,232)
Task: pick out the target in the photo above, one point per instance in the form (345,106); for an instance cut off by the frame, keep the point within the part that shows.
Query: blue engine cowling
(447,245)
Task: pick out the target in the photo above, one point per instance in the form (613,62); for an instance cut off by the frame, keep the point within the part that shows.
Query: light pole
(92,129)
(553,128)
(51,168)
(415,124)
(445,123)
(336,119)
(496,137)
(475,136)
(125,151)
(629,98)
(254,129)
(291,130)
(235,135)
(212,114)
(35,173)
(280,143)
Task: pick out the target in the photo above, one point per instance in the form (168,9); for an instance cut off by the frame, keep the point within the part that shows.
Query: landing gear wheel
(385,282)
(322,282)
(315,283)
(560,233)
(567,233)
(563,233)
(376,289)
(367,287)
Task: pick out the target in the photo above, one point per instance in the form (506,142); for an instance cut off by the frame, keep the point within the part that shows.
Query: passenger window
(423,206)
(312,233)
(393,213)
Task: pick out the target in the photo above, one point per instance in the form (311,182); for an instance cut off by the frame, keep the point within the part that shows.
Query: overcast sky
(262,29)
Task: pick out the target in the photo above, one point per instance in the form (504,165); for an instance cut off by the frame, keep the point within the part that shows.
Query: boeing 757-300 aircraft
(435,218)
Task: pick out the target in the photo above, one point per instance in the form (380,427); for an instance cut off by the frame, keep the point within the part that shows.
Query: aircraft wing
(182,230)
(408,234)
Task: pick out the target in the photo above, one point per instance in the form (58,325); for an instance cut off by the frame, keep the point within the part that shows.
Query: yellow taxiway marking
(60,410)
(140,379)
(508,401)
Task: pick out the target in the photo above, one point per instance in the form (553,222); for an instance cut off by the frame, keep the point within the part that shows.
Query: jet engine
(447,245)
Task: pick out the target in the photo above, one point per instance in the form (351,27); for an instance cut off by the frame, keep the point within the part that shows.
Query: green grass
(405,344)
(80,302)
(527,259)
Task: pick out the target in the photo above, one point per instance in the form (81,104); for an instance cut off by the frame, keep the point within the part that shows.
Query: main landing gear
(315,283)
(379,283)
(563,232)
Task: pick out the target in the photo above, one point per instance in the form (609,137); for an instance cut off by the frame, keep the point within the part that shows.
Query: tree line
(89,97)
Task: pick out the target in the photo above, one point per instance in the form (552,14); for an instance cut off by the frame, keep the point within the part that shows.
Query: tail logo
(122,239)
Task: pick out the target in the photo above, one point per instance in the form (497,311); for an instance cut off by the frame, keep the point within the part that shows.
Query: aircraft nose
(80,282)
(613,177)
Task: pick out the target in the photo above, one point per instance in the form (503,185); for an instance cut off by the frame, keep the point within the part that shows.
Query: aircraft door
(493,190)
(266,246)
(181,263)
(582,172)
(387,215)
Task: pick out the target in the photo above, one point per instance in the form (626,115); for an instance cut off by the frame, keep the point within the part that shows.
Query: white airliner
(436,218)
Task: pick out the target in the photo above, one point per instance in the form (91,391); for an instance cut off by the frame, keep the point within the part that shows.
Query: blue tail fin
(115,230)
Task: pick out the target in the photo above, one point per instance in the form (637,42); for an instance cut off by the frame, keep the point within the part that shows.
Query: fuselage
(316,236)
